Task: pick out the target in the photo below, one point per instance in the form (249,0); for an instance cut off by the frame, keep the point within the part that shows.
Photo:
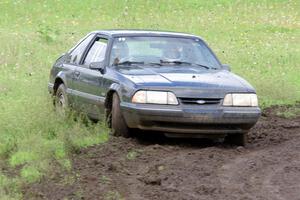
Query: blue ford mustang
(151,80)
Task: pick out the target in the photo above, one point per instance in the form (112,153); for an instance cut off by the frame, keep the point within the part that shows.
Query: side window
(96,52)
(78,51)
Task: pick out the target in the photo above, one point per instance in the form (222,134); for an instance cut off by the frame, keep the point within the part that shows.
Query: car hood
(188,78)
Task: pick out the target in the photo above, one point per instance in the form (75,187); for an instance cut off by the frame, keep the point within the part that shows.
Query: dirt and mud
(154,167)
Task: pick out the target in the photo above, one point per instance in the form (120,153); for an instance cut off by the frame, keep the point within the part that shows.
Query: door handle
(77,73)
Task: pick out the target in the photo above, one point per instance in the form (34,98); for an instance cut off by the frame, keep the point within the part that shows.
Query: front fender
(115,87)
(61,75)
(115,82)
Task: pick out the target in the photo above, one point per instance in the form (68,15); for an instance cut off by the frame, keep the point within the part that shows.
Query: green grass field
(259,39)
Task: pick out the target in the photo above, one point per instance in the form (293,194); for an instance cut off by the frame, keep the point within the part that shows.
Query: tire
(118,124)
(61,100)
(237,139)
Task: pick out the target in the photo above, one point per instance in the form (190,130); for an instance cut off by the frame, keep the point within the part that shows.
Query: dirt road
(159,168)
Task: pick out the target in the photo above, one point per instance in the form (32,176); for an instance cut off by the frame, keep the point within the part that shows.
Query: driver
(119,52)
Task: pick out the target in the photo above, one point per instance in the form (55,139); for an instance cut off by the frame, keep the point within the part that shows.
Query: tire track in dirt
(151,167)
(256,175)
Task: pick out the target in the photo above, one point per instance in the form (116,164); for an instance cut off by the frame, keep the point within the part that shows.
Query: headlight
(154,97)
(240,100)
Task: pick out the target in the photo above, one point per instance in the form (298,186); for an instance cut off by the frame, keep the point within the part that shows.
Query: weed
(22,157)
(105,180)
(30,174)
(113,195)
(131,155)
(68,180)
(290,112)
(78,193)
(47,33)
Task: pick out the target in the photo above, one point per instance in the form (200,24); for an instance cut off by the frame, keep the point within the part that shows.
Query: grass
(259,39)
(289,112)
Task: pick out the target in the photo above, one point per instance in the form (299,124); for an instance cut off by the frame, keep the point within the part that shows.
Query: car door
(71,62)
(88,83)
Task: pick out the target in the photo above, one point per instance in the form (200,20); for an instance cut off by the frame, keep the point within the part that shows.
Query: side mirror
(226,67)
(67,57)
(97,66)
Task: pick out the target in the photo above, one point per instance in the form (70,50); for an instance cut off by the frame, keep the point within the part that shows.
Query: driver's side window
(77,52)
(96,52)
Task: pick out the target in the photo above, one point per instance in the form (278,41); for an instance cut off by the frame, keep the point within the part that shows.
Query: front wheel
(118,124)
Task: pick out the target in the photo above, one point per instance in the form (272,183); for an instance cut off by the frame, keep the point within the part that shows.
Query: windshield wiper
(183,62)
(127,62)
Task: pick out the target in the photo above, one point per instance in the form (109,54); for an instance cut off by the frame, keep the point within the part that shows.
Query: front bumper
(200,119)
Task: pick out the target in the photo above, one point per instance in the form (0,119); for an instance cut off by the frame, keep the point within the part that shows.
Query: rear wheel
(118,124)
(61,100)
(237,139)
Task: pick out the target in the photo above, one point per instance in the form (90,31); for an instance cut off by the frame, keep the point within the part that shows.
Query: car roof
(138,32)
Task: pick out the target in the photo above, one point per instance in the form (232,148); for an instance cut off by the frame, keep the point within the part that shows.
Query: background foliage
(259,39)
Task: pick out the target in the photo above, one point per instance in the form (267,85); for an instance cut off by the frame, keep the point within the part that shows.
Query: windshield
(162,51)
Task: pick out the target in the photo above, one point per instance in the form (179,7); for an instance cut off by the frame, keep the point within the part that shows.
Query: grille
(200,101)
